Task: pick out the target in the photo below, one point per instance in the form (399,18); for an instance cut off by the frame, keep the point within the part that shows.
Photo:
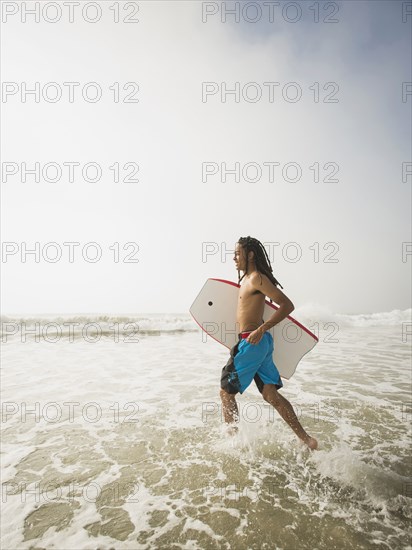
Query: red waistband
(245,334)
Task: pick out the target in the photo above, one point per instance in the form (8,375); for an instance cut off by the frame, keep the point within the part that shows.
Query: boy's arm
(266,287)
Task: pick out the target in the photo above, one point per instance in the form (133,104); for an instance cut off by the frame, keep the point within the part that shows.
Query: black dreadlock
(261,258)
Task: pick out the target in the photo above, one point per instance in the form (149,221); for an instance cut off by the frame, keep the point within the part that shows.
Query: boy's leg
(237,374)
(285,409)
(229,406)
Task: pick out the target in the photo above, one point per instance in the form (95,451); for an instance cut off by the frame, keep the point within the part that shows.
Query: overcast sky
(320,152)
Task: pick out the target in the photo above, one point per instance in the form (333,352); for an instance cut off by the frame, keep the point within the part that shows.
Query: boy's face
(240,257)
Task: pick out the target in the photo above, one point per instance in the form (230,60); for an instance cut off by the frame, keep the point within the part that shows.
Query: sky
(310,153)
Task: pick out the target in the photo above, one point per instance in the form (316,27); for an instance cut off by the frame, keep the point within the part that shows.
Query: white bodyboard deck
(214,310)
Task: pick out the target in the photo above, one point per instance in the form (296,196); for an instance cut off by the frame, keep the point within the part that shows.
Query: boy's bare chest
(249,294)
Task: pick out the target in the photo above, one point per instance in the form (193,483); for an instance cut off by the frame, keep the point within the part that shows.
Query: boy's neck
(250,271)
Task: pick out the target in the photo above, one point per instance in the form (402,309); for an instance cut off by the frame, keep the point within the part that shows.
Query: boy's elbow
(288,306)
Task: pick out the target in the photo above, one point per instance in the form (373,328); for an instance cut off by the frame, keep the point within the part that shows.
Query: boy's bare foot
(312,443)
(232,430)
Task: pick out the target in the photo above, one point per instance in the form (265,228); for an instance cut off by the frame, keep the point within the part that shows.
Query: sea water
(113,438)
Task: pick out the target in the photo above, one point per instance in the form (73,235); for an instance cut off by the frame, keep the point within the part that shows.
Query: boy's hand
(256,336)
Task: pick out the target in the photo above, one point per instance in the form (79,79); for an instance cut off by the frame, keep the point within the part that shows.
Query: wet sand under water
(140,458)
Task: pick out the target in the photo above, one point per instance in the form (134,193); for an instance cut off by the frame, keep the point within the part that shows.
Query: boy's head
(244,256)
(251,255)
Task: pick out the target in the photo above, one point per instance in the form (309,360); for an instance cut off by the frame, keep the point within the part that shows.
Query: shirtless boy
(251,358)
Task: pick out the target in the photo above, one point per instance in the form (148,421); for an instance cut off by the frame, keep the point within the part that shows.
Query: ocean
(113,438)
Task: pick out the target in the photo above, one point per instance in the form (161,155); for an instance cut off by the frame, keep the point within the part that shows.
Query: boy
(251,357)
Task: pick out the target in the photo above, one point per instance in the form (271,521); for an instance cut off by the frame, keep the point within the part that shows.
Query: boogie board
(214,310)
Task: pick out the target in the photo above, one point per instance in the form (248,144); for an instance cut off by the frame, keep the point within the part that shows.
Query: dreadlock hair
(261,258)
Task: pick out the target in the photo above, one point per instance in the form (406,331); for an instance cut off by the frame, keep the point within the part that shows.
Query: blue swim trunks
(249,362)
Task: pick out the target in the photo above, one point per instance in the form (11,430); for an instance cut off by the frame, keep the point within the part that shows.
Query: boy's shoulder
(257,277)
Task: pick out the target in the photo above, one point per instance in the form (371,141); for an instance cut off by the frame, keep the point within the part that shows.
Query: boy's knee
(226,396)
(270,394)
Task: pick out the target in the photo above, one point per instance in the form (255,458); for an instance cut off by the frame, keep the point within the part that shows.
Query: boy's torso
(251,303)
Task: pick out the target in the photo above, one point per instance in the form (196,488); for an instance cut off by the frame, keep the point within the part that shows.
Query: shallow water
(121,445)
